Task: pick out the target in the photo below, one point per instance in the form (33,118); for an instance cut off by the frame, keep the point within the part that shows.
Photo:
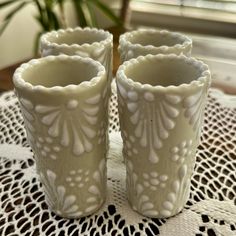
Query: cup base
(155,214)
(75,215)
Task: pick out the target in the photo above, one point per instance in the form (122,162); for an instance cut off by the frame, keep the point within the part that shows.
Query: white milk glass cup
(85,42)
(63,100)
(152,41)
(161,100)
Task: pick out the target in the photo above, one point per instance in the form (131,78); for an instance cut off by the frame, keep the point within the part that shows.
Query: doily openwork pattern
(210,210)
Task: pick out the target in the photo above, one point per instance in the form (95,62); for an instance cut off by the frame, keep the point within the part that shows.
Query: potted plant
(51,13)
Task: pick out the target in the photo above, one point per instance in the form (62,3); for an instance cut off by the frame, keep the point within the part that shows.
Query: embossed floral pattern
(84,180)
(57,199)
(45,147)
(27,112)
(129,148)
(125,53)
(72,122)
(182,151)
(178,194)
(101,54)
(177,191)
(152,121)
(97,190)
(134,188)
(102,132)
(82,177)
(194,109)
(78,178)
(153,180)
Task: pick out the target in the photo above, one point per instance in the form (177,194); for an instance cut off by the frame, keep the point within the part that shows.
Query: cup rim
(205,76)
(19,82)
(44,38)
(124,41)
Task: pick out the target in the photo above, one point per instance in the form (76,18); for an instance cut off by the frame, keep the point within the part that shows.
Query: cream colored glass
(63,100)
(85,42)
(161,101)
(151,41)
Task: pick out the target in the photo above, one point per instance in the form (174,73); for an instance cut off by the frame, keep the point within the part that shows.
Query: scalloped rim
(200,81)
(19,82)
(44,38)
(125,42)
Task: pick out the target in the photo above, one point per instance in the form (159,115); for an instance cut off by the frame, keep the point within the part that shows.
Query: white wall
(17,42)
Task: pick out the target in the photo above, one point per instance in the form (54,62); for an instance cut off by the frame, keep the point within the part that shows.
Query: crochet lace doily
(211,209)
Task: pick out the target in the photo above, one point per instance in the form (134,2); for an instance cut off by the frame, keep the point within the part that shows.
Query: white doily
(211,209)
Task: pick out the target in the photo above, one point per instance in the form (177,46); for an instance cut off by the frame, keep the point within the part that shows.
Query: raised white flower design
(125,53)
(101,134)
(153,180)
(101,54)
(73,122)
(129,148)
(78,178)
(97,190)
(46,148)
(152,120)
(142,203)
(56,196)
(181,151)
(178,194)
(27,109)
(194,109)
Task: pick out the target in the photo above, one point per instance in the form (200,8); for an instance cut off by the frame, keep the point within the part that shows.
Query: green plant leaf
(36,43)
(49,3)
(14,11)
(60,1)
(107,11)
(3,27)
(10,15)
(80,14)
(39,6)
(92,14)
(41,22)
(52,19)
(62,13)
(47,19)
(6,3)
(87,14)
(41,15)
(55,20)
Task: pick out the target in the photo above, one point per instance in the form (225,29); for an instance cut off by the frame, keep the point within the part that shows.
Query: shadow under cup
(63,100)
(161,102)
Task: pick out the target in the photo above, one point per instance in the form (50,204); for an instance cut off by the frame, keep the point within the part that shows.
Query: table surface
(210,210)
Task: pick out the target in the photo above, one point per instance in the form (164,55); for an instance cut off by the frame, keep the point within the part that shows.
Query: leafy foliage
(50,19)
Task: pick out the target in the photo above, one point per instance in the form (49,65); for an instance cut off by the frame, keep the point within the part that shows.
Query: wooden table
(6,77)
